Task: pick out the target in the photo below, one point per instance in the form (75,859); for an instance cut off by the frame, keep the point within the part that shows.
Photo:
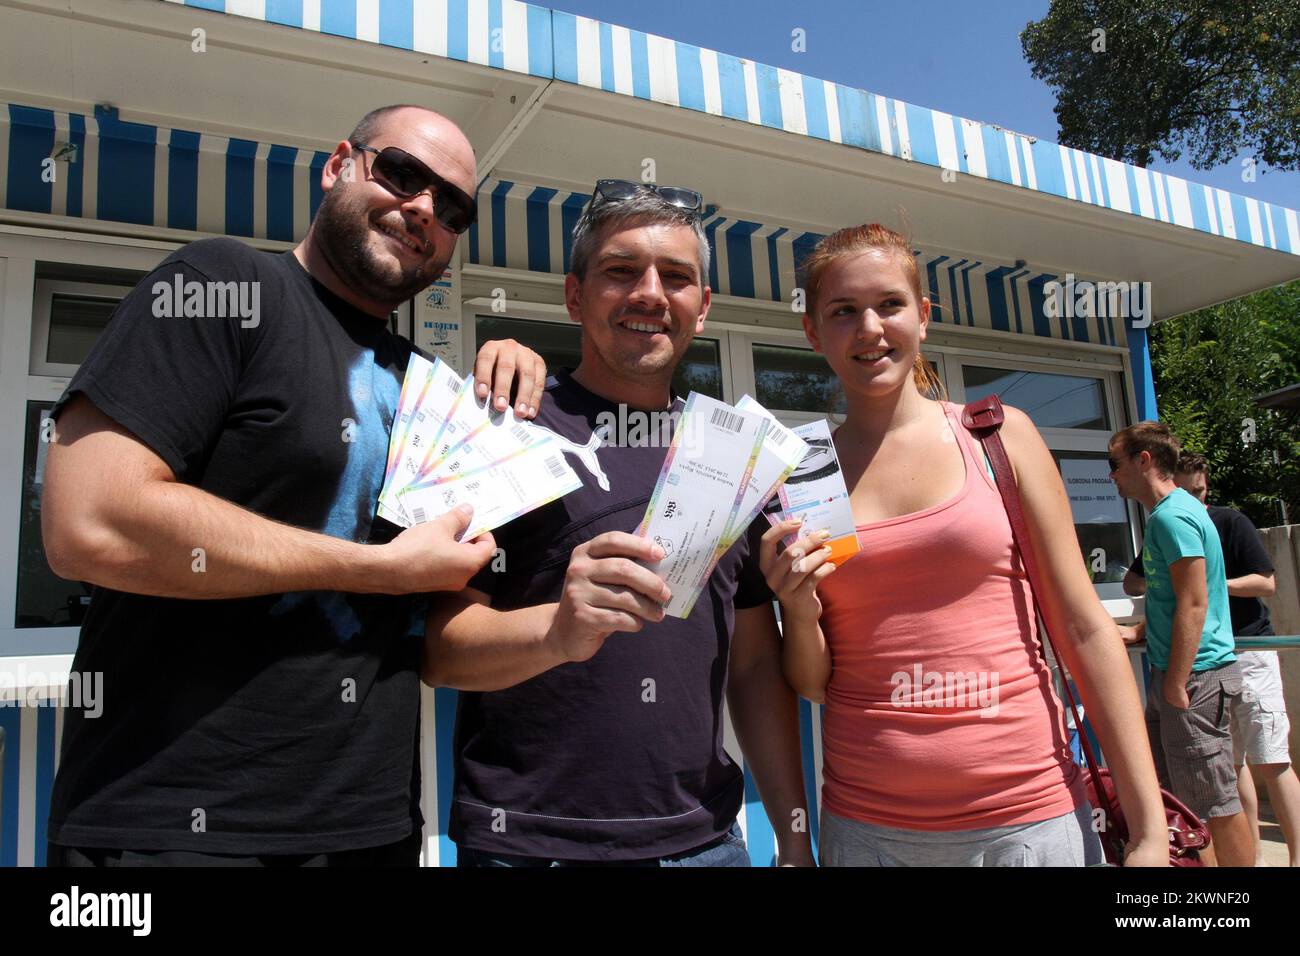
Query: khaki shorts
(1193,747)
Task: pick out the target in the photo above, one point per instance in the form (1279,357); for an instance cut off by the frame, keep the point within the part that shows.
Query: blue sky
(960,57)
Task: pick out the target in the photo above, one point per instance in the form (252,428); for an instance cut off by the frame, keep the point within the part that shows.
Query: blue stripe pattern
(31,141)
(963,292)
(240,154)
(126,168)
(11,724)
(183,180)
(753,269)
(554,47)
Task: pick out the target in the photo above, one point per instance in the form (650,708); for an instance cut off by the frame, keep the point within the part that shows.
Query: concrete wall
(1283,546)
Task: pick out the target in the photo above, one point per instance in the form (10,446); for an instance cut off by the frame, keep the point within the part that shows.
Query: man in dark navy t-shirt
(590,726)
(215,472)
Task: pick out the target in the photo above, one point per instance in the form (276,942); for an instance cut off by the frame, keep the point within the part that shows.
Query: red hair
(854,241)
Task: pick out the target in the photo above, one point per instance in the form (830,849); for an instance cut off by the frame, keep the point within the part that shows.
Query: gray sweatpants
(1067,840)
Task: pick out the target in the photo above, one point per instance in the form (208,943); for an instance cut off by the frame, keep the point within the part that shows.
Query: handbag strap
(984,419)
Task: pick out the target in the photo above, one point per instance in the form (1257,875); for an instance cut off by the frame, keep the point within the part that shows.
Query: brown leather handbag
(1187,834)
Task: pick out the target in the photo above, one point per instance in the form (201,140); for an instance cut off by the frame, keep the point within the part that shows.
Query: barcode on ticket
(520,434)
(555,466)
(418,515)
(728,420)
(777,437)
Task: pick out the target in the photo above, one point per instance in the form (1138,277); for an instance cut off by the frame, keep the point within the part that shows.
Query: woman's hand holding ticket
(605,590)
(793,574)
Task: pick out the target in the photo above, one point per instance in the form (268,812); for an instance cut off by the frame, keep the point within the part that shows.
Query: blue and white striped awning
(523,226)
(509,35)
(183,179)
(154,176)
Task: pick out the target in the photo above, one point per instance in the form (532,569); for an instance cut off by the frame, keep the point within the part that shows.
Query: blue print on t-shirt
(374,393)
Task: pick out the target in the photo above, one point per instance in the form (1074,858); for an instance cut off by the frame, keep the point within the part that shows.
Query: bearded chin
(342,231)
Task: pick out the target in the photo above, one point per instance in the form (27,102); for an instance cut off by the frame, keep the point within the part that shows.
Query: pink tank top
(935,715)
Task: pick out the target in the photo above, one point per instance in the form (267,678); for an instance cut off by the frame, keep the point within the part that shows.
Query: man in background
(1194,675)
(1260,727)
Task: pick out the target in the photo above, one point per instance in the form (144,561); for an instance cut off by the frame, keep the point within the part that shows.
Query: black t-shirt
(278,724)
(620,756)
(1243,553)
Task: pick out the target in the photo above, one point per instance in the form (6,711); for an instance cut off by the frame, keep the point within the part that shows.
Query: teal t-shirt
(1180,527)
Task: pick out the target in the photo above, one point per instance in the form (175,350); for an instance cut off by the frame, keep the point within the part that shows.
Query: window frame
(1066,439)
(42,319)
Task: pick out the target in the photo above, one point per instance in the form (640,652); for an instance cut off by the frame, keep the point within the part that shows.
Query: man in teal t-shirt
(1179,527)
(1194,675)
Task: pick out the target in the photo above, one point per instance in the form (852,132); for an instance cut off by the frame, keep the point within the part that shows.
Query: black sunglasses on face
(619,190)
(1114,462)
(406,177)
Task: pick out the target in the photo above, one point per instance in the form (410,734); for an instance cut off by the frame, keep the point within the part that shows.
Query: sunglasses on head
(619,190)
(406,177)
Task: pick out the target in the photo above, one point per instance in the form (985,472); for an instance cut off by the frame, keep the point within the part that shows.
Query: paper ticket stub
(781,453)
(430,393)
(467,449)
(499,492)
(698,494)
(815,492)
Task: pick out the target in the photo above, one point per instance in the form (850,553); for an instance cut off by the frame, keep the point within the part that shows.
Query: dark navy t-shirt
(620,756)
(277,724)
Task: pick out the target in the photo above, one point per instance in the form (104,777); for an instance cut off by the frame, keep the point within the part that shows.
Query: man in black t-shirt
(1260,726)
(215,474)
(590,726)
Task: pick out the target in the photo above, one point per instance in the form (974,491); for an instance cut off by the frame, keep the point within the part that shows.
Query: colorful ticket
(430,393)
(816,493)
(499,492)
(448,447)
(782,451)
(699,493)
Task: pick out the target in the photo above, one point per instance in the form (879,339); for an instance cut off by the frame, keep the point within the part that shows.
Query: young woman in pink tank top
(943,742)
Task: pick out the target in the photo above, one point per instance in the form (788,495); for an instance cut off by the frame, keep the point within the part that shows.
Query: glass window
(44,599)
(1100,516)
(791,379)
(560,344)
(75,323)
(1050,400)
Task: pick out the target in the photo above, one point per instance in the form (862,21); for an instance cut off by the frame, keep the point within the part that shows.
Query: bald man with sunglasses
(215,475)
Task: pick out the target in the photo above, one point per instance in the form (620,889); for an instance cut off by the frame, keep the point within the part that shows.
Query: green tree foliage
(1213,77)
(1207,366)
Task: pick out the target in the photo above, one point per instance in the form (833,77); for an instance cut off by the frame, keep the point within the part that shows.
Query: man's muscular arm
(114,514)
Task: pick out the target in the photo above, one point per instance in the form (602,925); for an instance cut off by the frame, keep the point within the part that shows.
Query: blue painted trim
(45,720)
(11,723)
(1139,357)
(759,838)
(444,714)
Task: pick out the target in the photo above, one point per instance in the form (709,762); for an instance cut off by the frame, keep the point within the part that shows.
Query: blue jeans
(729,850)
